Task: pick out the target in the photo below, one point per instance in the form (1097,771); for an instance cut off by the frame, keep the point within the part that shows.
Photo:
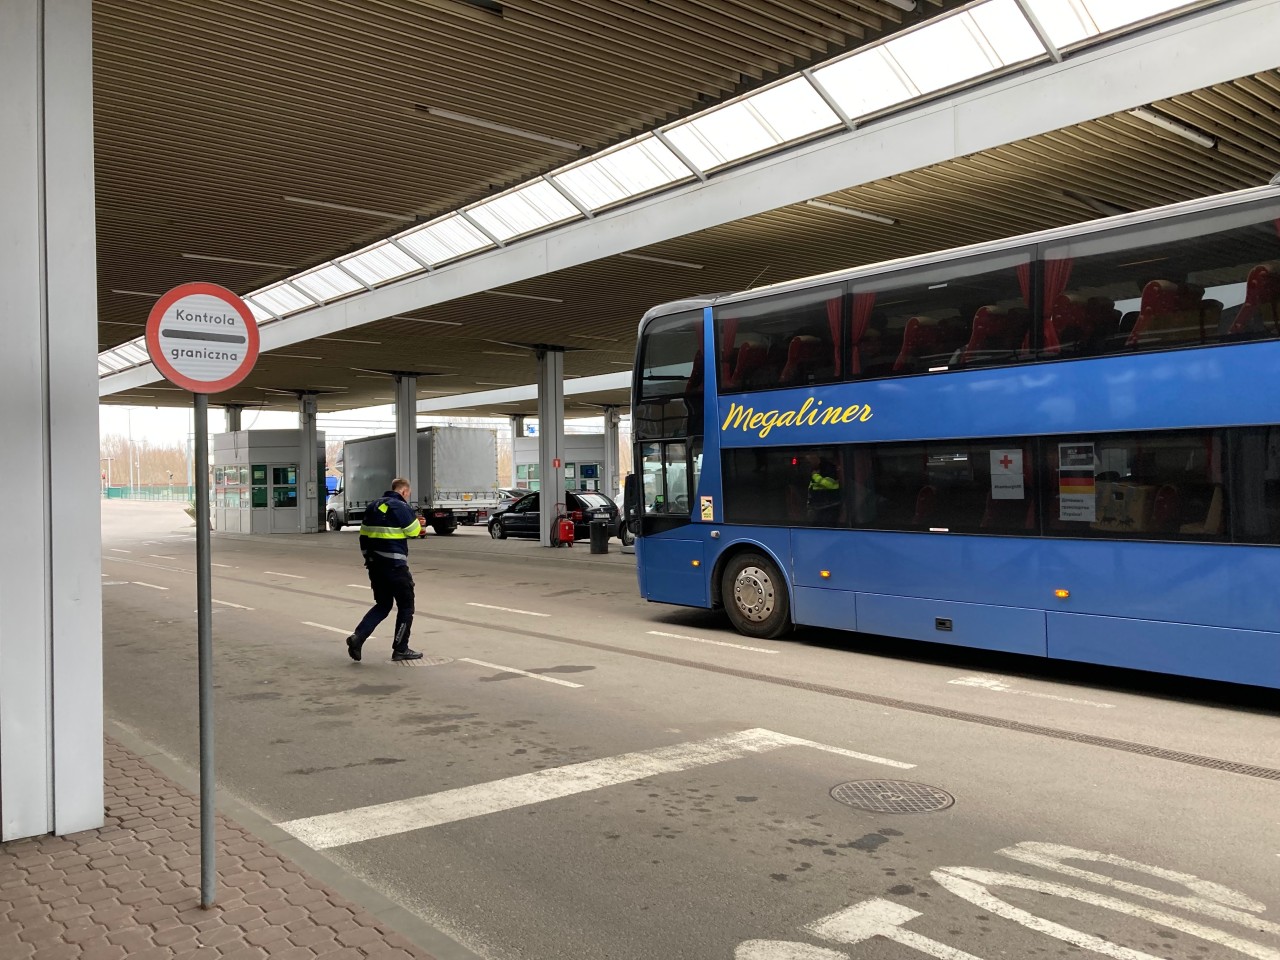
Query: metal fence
(162,491)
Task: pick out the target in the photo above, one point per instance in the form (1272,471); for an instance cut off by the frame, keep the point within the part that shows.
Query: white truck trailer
(457,477)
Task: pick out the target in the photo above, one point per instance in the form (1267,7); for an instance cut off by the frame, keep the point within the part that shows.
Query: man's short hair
(399,483)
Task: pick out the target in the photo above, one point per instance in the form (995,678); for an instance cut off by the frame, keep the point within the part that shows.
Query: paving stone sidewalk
(131,891)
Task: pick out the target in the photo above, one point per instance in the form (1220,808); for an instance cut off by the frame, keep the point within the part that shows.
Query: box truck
(457,477)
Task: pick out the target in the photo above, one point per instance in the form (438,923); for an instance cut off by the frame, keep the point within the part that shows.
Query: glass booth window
(785,340)
(961,314)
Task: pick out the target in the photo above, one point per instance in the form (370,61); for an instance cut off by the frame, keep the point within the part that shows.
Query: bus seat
(1166,508)
(1212,522)
(752,356)
(926,503)
(1261,308)
(803,357)
(1008,514)
(922,339)
(996,337)
(1169,313)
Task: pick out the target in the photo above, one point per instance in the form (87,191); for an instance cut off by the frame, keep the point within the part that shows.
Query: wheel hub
(753,592)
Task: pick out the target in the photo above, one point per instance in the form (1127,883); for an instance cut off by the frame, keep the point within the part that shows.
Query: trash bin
(599,536)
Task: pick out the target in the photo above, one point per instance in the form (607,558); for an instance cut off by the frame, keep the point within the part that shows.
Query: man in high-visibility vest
(824,497)
(388,525)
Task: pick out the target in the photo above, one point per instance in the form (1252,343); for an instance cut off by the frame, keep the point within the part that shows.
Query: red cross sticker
(1006,462)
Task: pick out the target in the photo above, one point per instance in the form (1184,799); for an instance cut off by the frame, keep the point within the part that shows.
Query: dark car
(507,496)
(521,519)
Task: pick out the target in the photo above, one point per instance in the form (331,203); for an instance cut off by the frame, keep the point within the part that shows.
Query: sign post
(203,338)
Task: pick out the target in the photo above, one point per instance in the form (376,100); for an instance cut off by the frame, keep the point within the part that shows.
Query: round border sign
(202,337)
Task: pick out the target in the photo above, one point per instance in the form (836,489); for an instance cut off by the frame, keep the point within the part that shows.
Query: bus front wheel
(755,596)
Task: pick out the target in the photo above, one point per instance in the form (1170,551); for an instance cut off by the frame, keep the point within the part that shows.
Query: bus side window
(1199,280)
(959,314)
(784,340)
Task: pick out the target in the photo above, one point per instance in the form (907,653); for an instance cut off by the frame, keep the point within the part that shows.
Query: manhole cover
(424,662)
(892,796)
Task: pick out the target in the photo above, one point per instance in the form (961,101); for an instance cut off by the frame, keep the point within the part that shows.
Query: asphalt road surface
(592,776)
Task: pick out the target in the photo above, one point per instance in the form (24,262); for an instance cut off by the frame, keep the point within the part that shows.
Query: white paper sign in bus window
(1077,488)
(1006,475)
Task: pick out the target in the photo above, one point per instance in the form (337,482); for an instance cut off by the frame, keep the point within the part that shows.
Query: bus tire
(755,596)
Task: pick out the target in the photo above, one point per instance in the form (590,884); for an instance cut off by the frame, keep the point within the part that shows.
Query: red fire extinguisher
(565,531)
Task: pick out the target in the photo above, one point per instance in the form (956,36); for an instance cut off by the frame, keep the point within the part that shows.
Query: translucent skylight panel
(282,299)
(380,263)
(327,283)
(794,109)
(260,313)
(1002,25)
(942,53)
(103,368)
(445,239)
(112,360)
(1070,21)
(724,135)
(133,352)
(865,83)
(530,208)
(627,172)
(1109,15)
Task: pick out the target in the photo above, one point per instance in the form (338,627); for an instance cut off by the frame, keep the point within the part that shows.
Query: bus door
(671,559)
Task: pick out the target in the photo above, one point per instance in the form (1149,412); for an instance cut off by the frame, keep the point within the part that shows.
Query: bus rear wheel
(755,596)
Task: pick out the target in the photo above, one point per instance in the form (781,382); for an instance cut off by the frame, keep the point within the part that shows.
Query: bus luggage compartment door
(990,627)
(673,571)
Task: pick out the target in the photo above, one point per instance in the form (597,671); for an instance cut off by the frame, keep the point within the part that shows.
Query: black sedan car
(521,519)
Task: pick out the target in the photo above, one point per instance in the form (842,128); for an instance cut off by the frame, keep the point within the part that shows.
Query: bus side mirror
(631,502)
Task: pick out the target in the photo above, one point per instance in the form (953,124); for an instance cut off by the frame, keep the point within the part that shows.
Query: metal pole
(204,639)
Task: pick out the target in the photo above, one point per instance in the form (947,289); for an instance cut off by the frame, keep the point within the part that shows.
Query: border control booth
(255,482)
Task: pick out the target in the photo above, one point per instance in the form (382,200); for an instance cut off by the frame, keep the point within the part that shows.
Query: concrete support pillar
(550,437)
(610,470)
(233,412)
(407,434)
(50,584)
(310,482)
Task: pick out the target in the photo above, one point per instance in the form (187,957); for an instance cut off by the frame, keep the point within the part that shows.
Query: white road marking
(489,606)
(139,583)
(115,583)
(999,686)
(523,673)
(784,950)
(971,884)
(276,573)
(1212,899)
(359,586)
(881,918)
(118,550)
(450,806)
(228,603)
(321,626)
(160,556)
(718,643)
(226,565)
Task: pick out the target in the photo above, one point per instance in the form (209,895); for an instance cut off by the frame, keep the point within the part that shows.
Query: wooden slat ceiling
(208,113)
(475,343)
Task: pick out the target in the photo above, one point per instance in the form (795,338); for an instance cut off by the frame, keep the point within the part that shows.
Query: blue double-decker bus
(1065,444)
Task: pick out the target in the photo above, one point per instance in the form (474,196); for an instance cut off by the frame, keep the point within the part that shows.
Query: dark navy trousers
(392,583)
